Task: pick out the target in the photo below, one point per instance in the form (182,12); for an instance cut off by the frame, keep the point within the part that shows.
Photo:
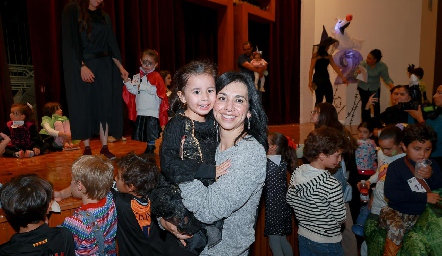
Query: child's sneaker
(262,89)
(29,153)
(19,154)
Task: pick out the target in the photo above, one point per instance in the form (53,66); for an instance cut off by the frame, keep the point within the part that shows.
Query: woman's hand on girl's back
(222,168)
(173,229)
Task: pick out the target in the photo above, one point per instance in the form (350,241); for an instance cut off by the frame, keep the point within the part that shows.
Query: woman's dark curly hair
(419,132)
(140,172)
(324,140)
(258,119)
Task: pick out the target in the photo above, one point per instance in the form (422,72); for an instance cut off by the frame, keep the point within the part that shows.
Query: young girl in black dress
(281,157)
(187,153)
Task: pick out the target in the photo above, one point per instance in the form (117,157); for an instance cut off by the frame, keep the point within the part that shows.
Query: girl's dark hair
(50,108)
(391,132)
(25,110)
(152,53)
(181,78)
(419,132)
(258,119)
(328,117)
(325,140)
(84,19)
(141,172)
(366,126)
(287,153)
(25,200)
(377,54)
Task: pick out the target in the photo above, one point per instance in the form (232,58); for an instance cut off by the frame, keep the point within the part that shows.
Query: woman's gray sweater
(234,197)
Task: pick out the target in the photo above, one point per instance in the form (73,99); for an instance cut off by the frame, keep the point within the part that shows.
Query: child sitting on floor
(26,201)
(56,127)
(316,197)
(408,195)
(94,224)
(25,140)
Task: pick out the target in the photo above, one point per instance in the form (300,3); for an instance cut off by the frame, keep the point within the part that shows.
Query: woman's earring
(248,120)
(217,131)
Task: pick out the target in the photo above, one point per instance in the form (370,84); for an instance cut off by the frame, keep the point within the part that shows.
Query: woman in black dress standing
(92,73)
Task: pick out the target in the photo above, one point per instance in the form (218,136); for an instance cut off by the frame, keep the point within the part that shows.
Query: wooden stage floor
(55,166)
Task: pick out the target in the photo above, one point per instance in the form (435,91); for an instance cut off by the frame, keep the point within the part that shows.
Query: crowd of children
(134,206)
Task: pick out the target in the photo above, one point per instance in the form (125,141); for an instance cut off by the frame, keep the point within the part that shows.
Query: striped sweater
(317,200)
(85,241)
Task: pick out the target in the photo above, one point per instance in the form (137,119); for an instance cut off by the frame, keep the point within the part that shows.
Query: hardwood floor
(55,166)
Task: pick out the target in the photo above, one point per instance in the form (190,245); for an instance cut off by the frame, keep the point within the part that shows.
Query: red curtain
(5,84)
(168,27)
(284,63)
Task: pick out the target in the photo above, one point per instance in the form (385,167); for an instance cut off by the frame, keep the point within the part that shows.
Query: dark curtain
(284,64)
(179,31)
(138,24)
(5,84)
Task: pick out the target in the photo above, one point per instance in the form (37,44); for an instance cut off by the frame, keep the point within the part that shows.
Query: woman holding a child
(235,196)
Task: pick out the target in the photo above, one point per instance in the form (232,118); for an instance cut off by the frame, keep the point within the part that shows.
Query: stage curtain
(5,84)
(285,64)
(163,26)
(136,24)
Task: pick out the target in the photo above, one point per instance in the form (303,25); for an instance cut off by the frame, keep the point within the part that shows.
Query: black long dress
(90,104)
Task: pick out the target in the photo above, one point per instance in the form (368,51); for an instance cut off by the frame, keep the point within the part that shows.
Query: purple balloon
(348,61)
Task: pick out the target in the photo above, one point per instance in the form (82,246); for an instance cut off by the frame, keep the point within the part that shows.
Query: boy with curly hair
(135,179)
(316,196)
(407,194)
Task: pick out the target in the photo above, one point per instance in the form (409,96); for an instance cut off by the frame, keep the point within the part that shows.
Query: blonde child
(94,224)
(281,157)
(187,153)
(151,100)
(25,139)
(365,154)
(55,125)
(259,62)
(316,197)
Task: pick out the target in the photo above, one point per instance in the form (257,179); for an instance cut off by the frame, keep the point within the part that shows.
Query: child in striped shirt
(316,196)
